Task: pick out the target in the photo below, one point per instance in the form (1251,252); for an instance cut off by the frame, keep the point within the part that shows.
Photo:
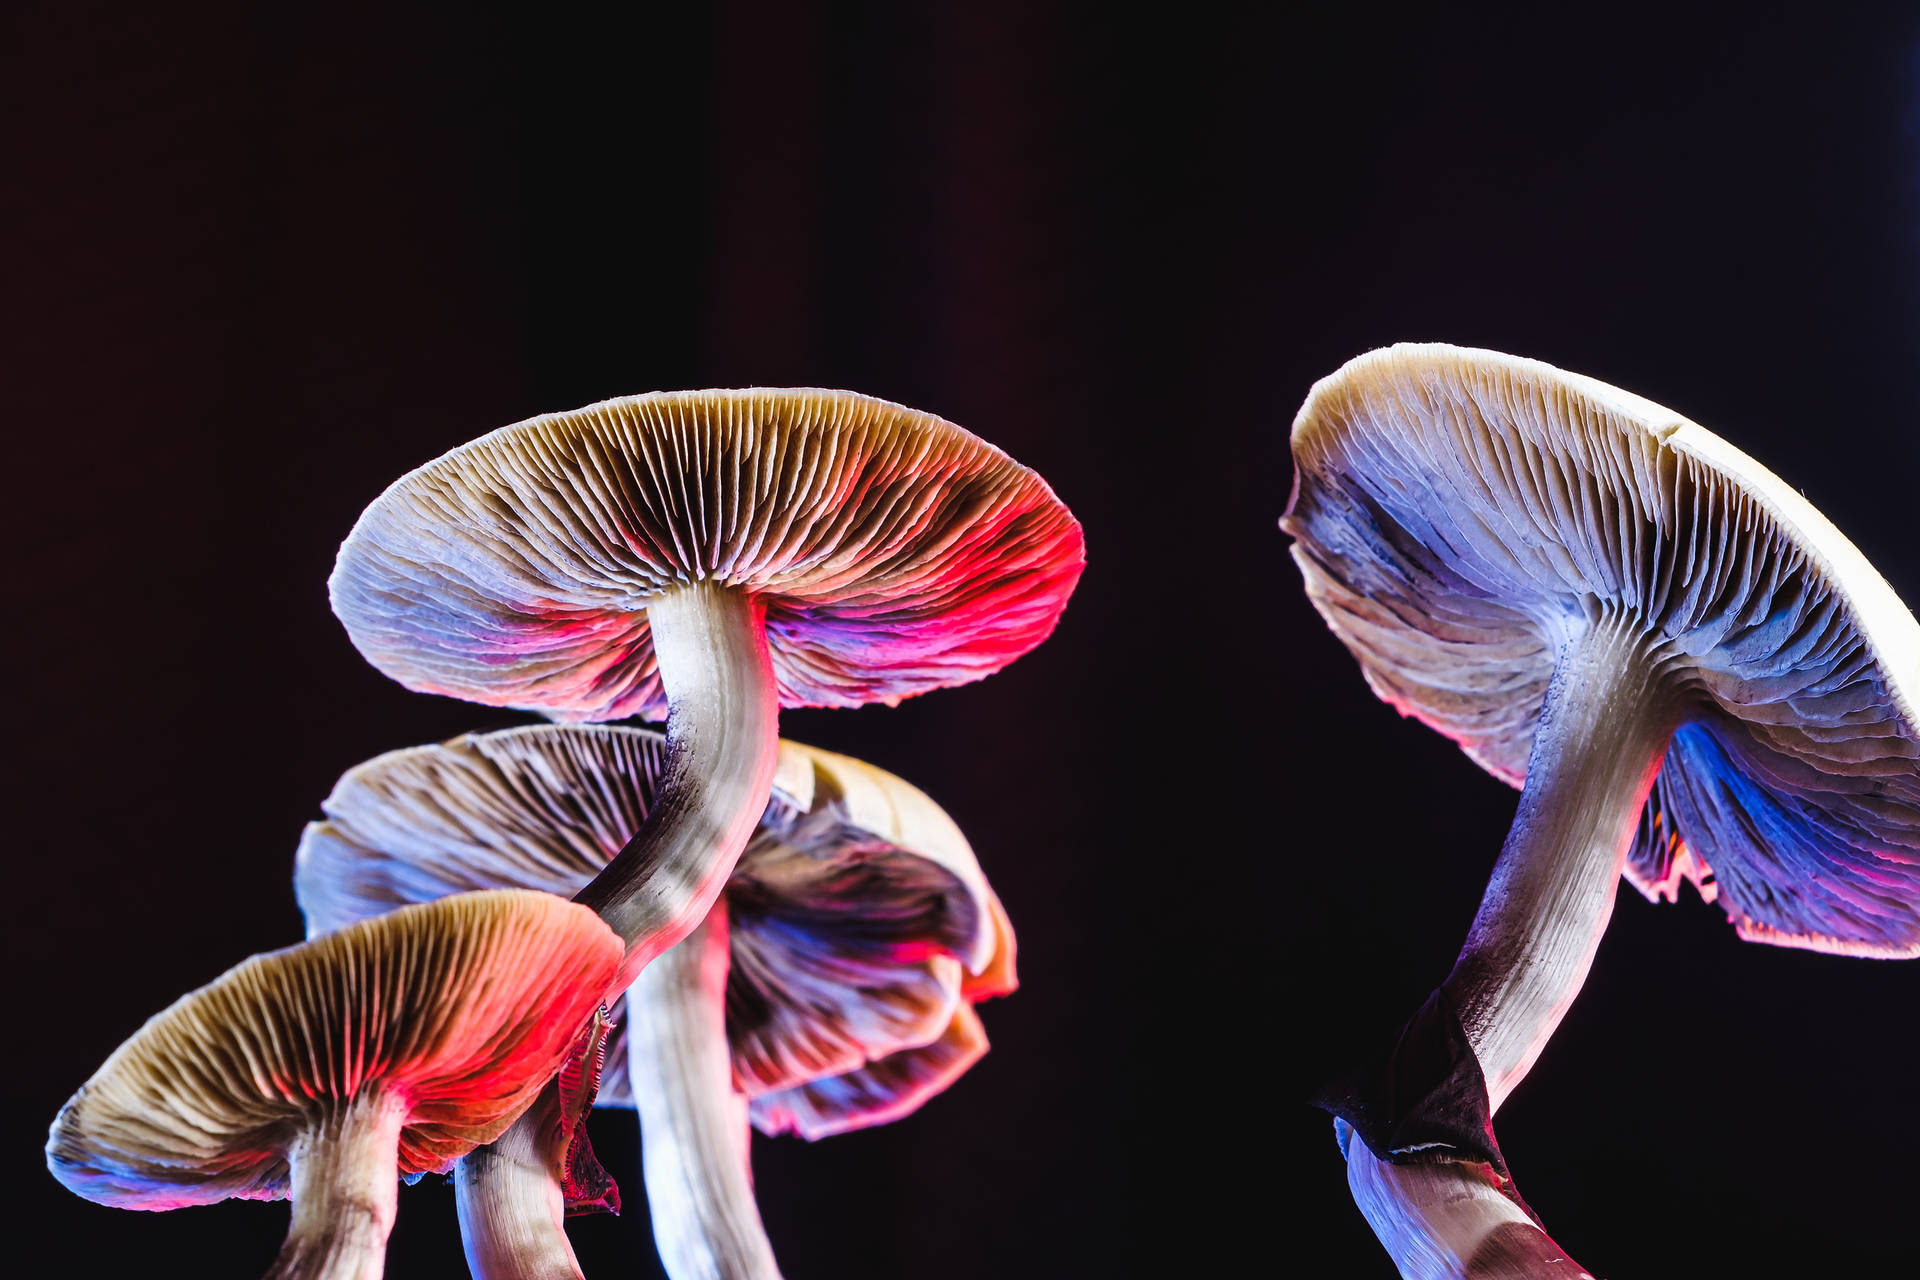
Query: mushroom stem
(723,741)
(512,1209)
(1603,731)
(693,1124)
(1604,725)
(344,1186)
(1449,1220)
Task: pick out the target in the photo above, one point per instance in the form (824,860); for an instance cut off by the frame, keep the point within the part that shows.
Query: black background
(260,262)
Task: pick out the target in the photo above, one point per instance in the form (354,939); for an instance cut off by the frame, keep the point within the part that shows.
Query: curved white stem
(1449,1221)
(693,1125)
(723,741)
(1604,727)
(512,1209)
(345,1179)
(1603,731)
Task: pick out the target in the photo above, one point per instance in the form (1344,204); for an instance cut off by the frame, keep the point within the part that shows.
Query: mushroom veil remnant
(324,1072)
(708,556)
(1607,603)
(831,986)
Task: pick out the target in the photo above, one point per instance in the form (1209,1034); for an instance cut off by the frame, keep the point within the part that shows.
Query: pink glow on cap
(895,553)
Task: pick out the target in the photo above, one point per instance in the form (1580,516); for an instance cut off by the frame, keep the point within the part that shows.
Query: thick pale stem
(345,1187)
(693,1125)
(1449,1221)
(1603,730)
(723,740)
(512,1209)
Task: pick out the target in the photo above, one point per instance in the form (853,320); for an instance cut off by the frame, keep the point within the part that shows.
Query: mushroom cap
(894,1085)
(537,807)
(859,917)
(895,553)
(464,1007)
(879,1092)
(1460,514)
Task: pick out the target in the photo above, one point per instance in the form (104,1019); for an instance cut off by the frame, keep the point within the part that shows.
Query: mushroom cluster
(1686,668)
(831,987)
(797,938)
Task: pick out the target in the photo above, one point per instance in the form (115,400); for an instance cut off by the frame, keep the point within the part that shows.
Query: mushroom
(324,1071)
(830,987)
(708,556)
(1600,599)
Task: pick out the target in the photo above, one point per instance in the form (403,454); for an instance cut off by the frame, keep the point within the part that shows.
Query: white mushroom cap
(462,1008)
(860,920)
(1458,513)
(895,553)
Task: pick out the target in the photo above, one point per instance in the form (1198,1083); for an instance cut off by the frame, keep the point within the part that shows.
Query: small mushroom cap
(895,553)
(853,929)
(464,1007)
(859,917)
(880,1092)
(892,1086)
(1458,514)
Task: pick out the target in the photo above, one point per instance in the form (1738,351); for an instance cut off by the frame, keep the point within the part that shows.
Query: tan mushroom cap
(895,553)
(1458,514)
(463,1007)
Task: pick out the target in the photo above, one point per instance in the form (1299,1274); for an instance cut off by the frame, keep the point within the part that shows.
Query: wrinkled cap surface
(464,1007)
(888,1087)
(895,552)
(1460,514)
(858,915)
(879,1092)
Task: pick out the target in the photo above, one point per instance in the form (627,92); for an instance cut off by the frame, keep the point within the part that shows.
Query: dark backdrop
(260,262)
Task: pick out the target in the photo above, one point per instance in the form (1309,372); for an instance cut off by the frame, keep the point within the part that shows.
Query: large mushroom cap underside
(856,913)
(463,1007)
(1460,515)
(895,553)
